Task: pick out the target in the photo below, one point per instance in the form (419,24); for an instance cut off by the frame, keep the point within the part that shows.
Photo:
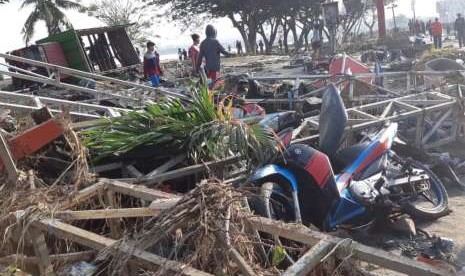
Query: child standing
(152,69)
(194,51)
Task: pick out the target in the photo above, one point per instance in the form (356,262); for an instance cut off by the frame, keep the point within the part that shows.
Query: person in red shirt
(436,29)
(152,68)
(194,51)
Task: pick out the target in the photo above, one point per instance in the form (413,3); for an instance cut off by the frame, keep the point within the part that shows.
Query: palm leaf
(202,129)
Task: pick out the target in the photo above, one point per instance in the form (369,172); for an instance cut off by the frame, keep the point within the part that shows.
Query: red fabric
(152,66)
(320,169)
(436,28)
(214,75)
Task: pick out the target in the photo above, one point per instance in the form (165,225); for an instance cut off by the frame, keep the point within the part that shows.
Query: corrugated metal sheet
(71,47)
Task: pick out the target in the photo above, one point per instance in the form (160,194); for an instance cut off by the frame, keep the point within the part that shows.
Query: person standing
(280,43)
(459,27)
(211,49)
(179,54)
(436,29)
(428,27)
(316,44)
(239,47)
(260,44)
(152,69)
(194,50)
(184,54)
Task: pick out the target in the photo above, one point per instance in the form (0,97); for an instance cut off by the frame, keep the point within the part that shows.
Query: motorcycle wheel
(434,202)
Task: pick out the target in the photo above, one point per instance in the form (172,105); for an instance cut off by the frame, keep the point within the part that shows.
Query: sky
(171,36)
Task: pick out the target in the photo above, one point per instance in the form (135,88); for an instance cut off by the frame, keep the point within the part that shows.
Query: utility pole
(413,10)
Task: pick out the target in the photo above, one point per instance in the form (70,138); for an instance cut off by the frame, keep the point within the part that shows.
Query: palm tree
(50,12)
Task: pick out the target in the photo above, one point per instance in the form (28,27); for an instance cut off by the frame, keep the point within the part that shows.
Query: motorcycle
(334,188)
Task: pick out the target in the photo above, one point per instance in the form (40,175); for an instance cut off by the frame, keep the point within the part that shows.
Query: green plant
(204,128)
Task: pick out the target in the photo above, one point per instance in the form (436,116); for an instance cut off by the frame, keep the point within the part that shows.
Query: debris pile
(188,175)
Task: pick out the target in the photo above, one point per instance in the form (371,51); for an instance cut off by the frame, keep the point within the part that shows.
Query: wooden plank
(168,165)
(243,265)
(82,196)
(368,254)
(161,204)
(41,251)
(110,213)
(133,171)
(144,259)
(114,223)
(8,162)
(106,167)
(189,170)
(138,191)
(308,262)
(61,258)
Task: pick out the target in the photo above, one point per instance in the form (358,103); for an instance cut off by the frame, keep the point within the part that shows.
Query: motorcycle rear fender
(270,171)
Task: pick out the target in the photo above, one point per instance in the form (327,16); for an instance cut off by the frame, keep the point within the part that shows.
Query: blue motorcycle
(331,187)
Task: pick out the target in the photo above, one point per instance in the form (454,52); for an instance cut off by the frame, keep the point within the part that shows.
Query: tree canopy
(49,11)
(125,12)
(266,18)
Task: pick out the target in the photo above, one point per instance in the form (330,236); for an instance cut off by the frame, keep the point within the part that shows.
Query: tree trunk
(285,38)
(249,34)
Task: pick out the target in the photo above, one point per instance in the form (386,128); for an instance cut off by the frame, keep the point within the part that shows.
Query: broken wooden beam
(361,252)
(83,195)
(144,259)
(138,191)
(107,214)
(189,170)
(310,260)
(60,258)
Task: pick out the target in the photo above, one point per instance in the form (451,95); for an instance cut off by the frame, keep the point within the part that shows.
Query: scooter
(332,188)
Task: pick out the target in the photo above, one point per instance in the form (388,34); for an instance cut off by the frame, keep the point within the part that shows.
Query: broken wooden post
(310,260)
(8,161)
(114,223)
(41,251)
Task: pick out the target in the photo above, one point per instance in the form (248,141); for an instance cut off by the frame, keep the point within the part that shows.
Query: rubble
(178,205)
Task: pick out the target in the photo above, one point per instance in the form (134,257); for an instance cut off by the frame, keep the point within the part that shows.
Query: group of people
(417,27)
(182,54)
(208,53)
(435,30)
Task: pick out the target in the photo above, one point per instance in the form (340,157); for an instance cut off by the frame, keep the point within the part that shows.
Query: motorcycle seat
(347,156)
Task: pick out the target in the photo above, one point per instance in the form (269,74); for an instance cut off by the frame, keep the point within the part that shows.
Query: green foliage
(122,12)
(279,255)
(49,11)
(202,129)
